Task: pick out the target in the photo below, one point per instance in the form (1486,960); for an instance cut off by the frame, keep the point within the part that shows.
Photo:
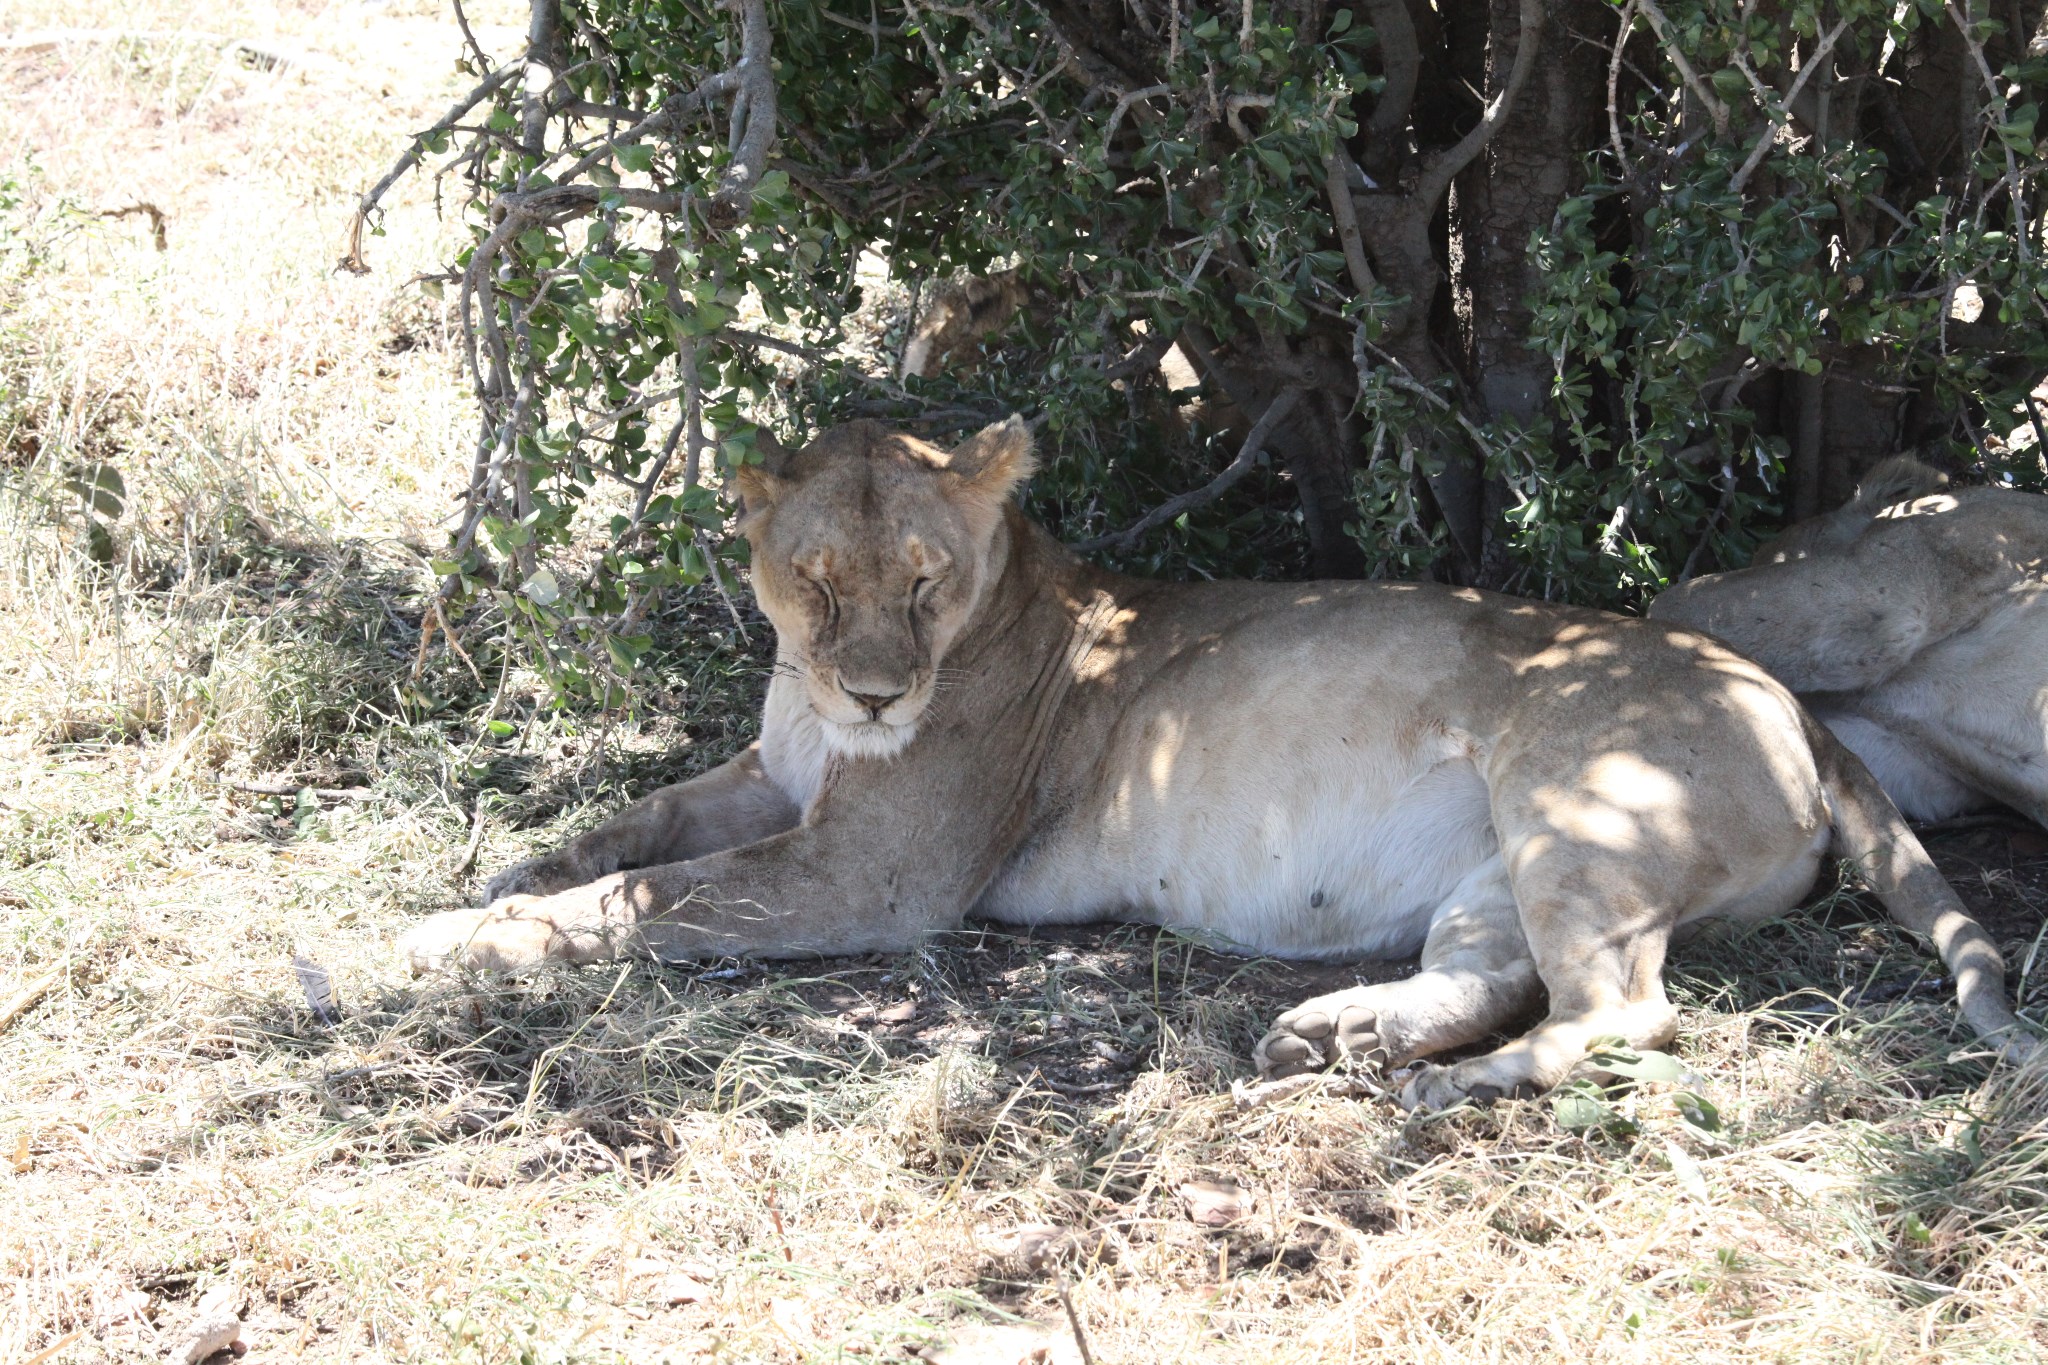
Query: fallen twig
(1330,1085)
(467,858)
(31,995)
(54,1347)
(1073,1318)
(157,220)
(294,789)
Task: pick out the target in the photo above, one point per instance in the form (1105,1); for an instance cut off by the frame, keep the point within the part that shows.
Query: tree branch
(1770,133)
(2011,179)
(1247,455)
(1337,184)
(1716,110)
(753,119)
(1628,21)
(1401,65)
(1437,176)
(352,257)
(670,113)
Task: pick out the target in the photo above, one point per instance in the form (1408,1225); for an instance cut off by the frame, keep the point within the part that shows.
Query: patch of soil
(1998,864)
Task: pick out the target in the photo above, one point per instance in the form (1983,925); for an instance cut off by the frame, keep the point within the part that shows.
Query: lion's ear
(995,460)
(762,485)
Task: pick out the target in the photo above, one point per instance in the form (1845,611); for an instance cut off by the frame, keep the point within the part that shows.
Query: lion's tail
(1870,832)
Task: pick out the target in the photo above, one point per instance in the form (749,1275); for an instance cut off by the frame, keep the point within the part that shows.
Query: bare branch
(1628,21)
(1247,455)
(484,63)
(1123,106)
(541,41)
(740,336)
(1233,112)
(158,220)
(1437,176)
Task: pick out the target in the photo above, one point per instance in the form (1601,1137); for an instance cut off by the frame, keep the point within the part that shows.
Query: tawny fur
(1914,623)
(966,719)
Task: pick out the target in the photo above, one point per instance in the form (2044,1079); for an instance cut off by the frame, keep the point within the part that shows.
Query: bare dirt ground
(998,1146)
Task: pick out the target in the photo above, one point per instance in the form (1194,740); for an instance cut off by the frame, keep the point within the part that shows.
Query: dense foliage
(1559,296)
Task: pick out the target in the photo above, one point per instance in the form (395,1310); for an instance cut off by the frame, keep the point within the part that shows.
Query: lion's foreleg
(731,805)
(793,895)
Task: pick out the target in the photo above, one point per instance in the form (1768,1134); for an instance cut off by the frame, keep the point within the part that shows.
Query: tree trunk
(1507,195)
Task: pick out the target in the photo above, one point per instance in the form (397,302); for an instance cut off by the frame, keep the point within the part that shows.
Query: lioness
(966,719)
(1914,623)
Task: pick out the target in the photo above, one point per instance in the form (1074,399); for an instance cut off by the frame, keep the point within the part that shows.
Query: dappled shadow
(512,1077)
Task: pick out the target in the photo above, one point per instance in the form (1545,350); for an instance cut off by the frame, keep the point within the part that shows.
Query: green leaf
(1645,1066)
(637,156)
(99,486)
(1578,1108)
(542,588)
(501,728)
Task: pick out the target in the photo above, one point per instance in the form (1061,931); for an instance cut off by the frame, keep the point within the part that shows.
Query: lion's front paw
(1321,1033)
(542,876)
(494,939)
(1479,1081)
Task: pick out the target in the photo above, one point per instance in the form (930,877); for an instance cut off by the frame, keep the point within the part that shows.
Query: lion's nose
(873,702)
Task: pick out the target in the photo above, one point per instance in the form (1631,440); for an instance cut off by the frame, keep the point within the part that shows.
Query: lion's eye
(824,590)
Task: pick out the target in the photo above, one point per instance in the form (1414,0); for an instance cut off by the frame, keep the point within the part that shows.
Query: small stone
(1215,1203)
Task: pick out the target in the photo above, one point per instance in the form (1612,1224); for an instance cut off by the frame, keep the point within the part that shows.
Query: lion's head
(870,552)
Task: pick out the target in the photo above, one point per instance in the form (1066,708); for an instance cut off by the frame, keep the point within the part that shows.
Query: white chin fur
(869,739)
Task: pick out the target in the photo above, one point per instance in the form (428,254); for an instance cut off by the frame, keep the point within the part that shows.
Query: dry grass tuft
(640,1163)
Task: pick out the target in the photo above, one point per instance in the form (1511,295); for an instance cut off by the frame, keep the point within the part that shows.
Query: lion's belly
(1330,845)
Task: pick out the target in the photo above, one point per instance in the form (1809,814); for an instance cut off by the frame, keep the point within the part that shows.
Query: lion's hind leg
(1603,966)
(1476,976)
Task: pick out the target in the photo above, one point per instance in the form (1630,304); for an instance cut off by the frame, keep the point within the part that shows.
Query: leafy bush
(1563,298)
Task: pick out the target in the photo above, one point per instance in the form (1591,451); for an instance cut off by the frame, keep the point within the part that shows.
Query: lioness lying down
(1915,624)
(966,719)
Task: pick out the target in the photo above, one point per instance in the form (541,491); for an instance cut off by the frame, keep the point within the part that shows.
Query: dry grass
(638,1163)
